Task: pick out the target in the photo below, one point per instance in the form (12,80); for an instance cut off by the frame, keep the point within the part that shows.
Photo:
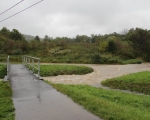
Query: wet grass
(3,70)
(138,82)
(107,104)
(54,70)
(6,103)
(132,61)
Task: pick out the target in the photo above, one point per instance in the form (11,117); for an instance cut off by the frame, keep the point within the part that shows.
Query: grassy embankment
(54,70)
(139,82)
(72,53)
(6,103)
(113,105)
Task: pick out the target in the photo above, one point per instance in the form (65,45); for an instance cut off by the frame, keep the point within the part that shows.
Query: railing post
(38,68)
(32,65)
(29,63)
(6,78)
(26,61)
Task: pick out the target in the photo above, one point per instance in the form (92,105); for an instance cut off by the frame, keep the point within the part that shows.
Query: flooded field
(101,72)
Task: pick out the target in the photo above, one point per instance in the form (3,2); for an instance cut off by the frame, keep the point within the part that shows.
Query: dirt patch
(101,72)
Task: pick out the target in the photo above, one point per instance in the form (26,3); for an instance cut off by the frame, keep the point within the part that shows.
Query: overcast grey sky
(58,18)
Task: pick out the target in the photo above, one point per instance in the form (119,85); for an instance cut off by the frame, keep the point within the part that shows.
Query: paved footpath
(36,100)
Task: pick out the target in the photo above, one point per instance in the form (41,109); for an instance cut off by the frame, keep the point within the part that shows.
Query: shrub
(3,71)
(112,46)
(132,61)
(17,52)
(96,58)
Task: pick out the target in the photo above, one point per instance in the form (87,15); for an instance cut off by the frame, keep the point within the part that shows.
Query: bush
(110,59)
(113,60)
(112,46)
(96,58)
(132,61)
(3,71)
(17,52)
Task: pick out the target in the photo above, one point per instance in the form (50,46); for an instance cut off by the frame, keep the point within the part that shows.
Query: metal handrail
(26,60)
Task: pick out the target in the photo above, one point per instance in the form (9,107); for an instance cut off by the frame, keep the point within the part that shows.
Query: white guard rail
(29,61)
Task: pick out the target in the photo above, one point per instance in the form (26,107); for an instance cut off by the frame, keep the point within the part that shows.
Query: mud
(101,72)
(36,100)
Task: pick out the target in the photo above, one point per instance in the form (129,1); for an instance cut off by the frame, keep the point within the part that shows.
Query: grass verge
(107,104)
(132,61)
(139,82)
(54,70)
(6,103)
(3,70)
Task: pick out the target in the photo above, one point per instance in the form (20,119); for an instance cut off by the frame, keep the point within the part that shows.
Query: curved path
(101,72)
(36,100)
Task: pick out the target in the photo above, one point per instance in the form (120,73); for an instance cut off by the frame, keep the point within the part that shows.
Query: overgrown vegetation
(112,48)
(6,103)
(132,61)
(107,104)
(54,70)
(139,82)
(3,70)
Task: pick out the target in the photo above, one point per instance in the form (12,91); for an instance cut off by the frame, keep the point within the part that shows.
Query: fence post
(6,78)
(32,65)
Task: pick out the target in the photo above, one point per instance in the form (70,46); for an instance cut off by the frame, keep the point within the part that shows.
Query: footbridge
(34,99)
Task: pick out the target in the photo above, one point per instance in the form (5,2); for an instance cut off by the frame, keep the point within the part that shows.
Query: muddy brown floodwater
(101,72)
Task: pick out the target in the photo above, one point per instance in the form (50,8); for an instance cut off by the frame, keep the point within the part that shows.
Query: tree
(82,38)
(37,38)
(112,46)
(103,46)
(16,35)
(140,40)
(46,38)
(5,32)
(24,46)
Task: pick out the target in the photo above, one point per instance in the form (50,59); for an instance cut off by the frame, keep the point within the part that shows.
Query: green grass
(3,70)
(6,103)
(107,104)
(139,82)
(54,70)
(132,61)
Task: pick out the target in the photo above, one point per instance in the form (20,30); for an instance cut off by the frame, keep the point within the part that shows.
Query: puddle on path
(51,105)
(36,100)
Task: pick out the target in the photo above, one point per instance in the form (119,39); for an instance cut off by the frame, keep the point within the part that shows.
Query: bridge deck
(36,100)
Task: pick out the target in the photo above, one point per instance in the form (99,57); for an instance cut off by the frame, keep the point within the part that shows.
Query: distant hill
(28,37)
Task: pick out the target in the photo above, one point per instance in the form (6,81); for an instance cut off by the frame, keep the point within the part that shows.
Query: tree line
(130,44)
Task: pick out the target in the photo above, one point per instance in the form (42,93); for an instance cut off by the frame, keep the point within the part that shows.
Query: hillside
(28,37)
(132,47)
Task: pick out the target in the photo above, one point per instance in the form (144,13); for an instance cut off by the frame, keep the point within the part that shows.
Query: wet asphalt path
(36,100)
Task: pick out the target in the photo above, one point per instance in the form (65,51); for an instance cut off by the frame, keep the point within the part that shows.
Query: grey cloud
(72,17)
